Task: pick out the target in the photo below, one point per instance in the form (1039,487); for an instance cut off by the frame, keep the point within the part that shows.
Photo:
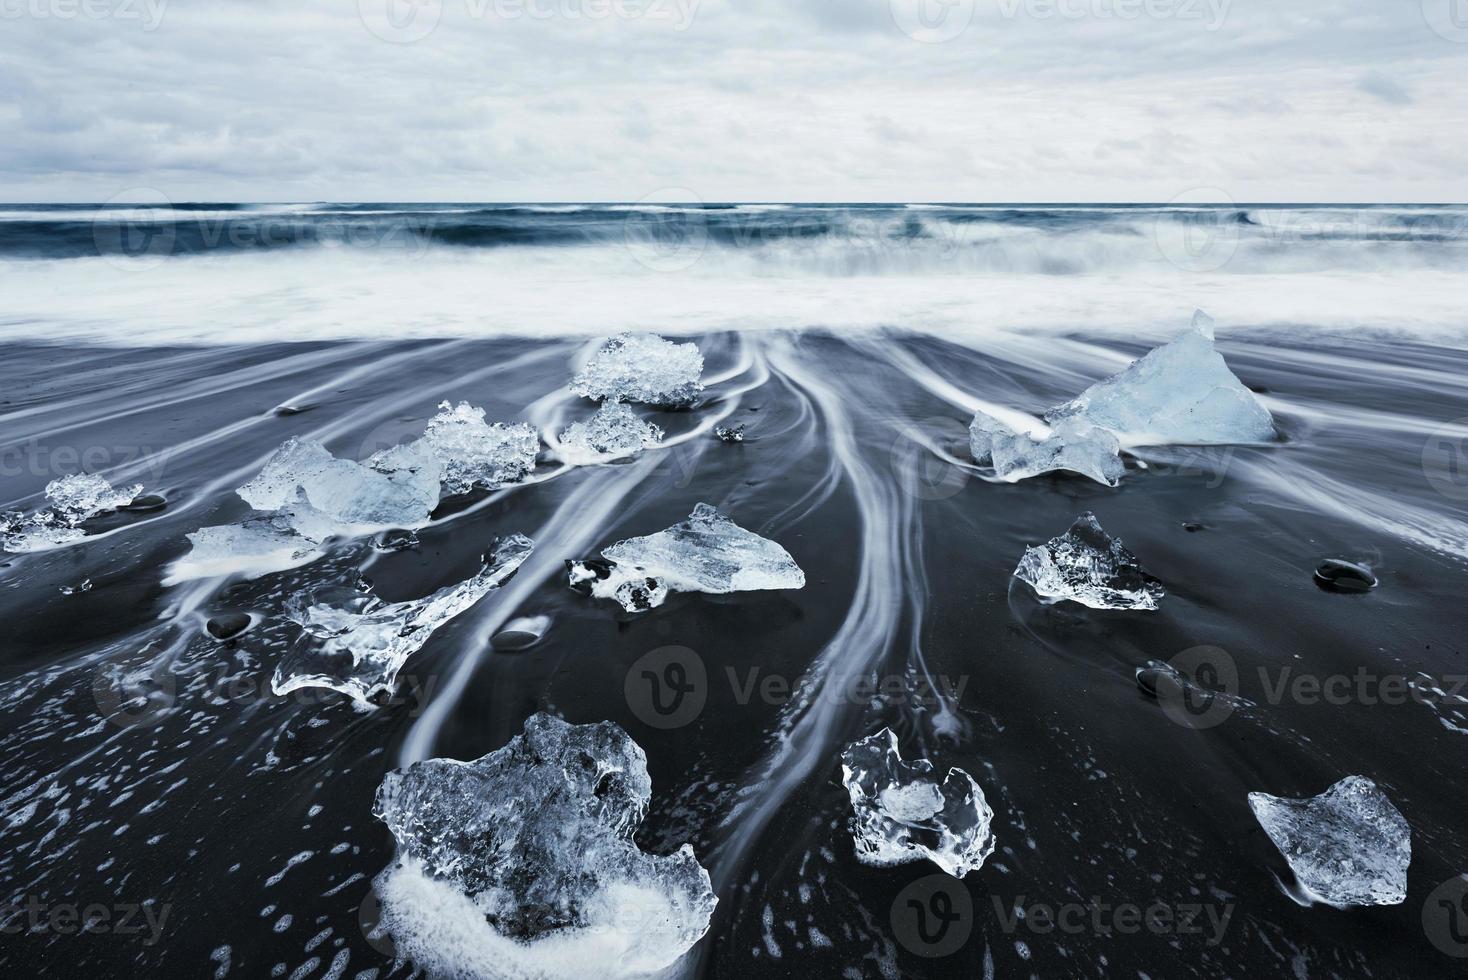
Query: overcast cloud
(564,100)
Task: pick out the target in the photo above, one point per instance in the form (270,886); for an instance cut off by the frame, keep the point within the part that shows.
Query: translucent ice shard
(1347,846)
(537,837)
(76,498)
(904,812)
(1088,566)
(1073,445)
(305,480)
(477,453)
(613,432)
(359,650)
(705,553)
(256,547)
(643,368)
(1182,392)
(73,501)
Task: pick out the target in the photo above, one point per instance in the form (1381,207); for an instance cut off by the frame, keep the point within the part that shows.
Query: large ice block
(1073,445)
(615,431)
(643,368)
(358,651)
(1088,566)
(1182,392)
(1347,846)
(474,452)
(705,553)
(538,837)
(905,812)
(304,478)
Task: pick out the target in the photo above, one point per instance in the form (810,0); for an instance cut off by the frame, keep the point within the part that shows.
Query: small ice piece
(358,651)
(1347,846)
(477,453)
(77,498)
(705,553)
(305,480)
(733,433)
(1088,566)
(539,837)
(1073,445)
(643,368)
(613,432)
(257,547)
(903,813)
(1182,392)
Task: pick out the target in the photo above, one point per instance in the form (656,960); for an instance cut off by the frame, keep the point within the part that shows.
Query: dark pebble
(1338,575)
(228,626)
(1192,526)
(511,640)
(285,411)
(146,502)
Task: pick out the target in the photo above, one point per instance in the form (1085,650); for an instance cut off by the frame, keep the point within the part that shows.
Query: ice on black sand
(1347,846)
(708,552)
(523,864)
(614,432)
(1088,566)
(1072,445)
(642,368)
(73,500)
(903,811)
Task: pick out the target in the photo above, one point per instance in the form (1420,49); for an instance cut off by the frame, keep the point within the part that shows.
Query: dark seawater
(243,820)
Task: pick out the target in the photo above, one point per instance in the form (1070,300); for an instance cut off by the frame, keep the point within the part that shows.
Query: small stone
(147,502)
(228,626)
(286,411)
(85,585)
(520,633)
(1339,575)
(1155,677)
(1192,527)
(396,539)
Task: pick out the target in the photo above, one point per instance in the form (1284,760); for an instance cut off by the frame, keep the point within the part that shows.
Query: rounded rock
(228,625)
(144,503)
(1339,575)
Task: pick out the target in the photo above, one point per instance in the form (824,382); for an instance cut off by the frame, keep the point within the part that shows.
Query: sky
(734,100)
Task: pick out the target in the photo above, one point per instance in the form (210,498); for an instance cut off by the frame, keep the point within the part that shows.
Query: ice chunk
(734,433)
(1088,566)
(474,452)
(1347,846)
(705,553)
(77,498)
(538,837)
(322,494)
(643,368)
(359,650)
(257,547)
(74,500)
(1182,392)
(1073,445)
(613,432)
(904,813)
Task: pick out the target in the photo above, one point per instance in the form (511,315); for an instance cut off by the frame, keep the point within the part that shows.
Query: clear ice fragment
(1347,846)
(643,368)
(256,547)
(538,836)
(705,553)
(904,812)
(359,649)
(730,433)
(1182,392)
(74,500)
(613,432)
(1088,566)
(474,452)
(1073,445)
(322,493)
